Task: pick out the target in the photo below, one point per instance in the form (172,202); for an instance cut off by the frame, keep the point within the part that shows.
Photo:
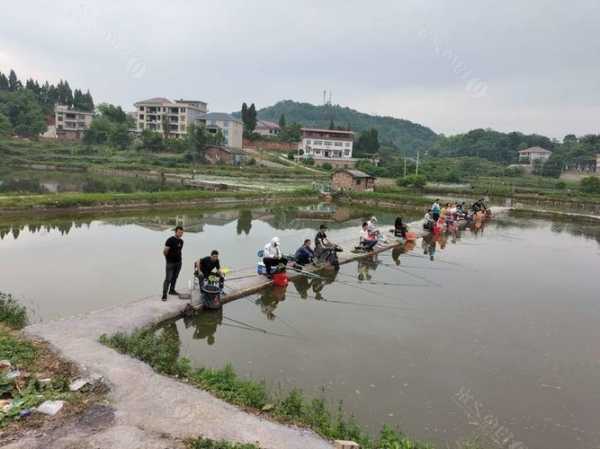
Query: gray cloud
(453,66)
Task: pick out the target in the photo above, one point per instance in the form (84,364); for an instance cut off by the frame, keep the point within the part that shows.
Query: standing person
(273,256)
(172,253)
(209,266)
(435,210)
(428,221)
(305,254)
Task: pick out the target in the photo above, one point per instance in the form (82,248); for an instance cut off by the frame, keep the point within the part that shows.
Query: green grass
(66,200)
(12,313)
(202,443)
(160,349)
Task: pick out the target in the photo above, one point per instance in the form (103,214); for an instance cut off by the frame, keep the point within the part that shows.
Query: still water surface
(497,336)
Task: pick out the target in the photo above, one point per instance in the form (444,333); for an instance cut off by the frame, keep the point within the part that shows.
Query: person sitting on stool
(209,266)
(272,256)
(305,254)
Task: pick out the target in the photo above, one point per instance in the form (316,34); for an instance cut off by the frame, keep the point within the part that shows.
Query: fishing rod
(416,276)
(372,306)
(278,317)
(262,331)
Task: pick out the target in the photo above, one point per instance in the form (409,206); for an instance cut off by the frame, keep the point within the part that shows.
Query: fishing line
(262,331)
(416,276)
(337,301)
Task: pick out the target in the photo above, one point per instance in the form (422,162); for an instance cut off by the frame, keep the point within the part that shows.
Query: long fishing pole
(279,318)
(262,331)
(337,301)
(416,276)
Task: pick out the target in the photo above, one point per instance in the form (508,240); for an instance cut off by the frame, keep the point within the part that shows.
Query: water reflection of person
(365,264)
(429,246)
(205,324)
(270,299)
(318,284)
(397,251)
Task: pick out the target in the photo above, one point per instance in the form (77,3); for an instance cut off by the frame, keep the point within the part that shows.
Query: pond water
(497,336)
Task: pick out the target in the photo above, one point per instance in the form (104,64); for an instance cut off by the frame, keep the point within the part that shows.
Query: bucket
(211,297)
(280,279)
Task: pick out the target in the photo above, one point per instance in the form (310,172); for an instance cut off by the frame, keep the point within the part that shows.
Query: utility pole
(417,169)
(405,166)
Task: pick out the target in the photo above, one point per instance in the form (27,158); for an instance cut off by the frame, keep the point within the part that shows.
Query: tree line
(24,107)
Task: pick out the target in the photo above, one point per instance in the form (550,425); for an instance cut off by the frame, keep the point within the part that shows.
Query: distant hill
(402,134)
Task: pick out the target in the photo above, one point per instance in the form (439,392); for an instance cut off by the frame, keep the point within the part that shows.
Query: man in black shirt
(172,252)
(208,266)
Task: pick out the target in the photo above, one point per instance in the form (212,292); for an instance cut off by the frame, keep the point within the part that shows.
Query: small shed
(217,154)
(353,180)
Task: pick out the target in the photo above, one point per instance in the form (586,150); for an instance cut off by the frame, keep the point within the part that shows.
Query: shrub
(561,185)
(291,155)
(203,443)
(327,166)
(309,161)
(417,181)
(591,184)
(12,313)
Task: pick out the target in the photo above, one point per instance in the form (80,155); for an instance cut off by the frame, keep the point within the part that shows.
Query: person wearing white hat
(273,256)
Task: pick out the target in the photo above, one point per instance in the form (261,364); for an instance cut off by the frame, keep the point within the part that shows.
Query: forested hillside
(405,135)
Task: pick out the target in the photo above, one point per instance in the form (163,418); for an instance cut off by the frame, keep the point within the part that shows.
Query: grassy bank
(160,350)
(30,374)
(168,199)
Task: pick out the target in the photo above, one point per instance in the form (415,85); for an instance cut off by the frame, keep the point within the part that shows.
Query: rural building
(217,154)
(327,146)
(354,180)
(532,154)
(68,123)
(169,117)
(266,128)
(231,127)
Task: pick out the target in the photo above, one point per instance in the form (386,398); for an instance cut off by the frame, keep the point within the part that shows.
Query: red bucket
(280,279)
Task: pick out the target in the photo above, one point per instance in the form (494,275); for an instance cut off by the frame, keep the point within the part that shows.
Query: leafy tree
(591,184)
(417,181)
(368,142)
(331,124)
(3,82)
(244,113)
(282,121)
(13,82)
(197,139)
(215,138)
(250,123)
(291,133)
(119,136)
(24,113)
(151,140)
(113,113)
(99,132)
(5,126)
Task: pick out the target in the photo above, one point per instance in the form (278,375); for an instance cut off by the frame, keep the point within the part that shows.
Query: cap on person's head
(275,240)
(373,218)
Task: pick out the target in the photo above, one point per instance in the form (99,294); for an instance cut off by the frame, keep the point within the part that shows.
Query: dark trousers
(368,244)
(436,216)
(271,262)
(202,280)
(172,273)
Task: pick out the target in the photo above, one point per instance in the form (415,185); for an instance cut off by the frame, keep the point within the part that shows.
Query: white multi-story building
(532,154)
(168,117)
(232,128)
(327,146)
(266,128)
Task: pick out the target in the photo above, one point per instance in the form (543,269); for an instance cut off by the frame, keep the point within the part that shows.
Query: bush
(291,155)
(417,181)
(561,185)
(591,184)
(309,161)
(327,166)
(12,313)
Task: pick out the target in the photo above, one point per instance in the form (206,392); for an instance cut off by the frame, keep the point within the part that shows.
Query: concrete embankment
(150,410)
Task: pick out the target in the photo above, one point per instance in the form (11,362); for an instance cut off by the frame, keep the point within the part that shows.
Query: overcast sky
(452,65)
